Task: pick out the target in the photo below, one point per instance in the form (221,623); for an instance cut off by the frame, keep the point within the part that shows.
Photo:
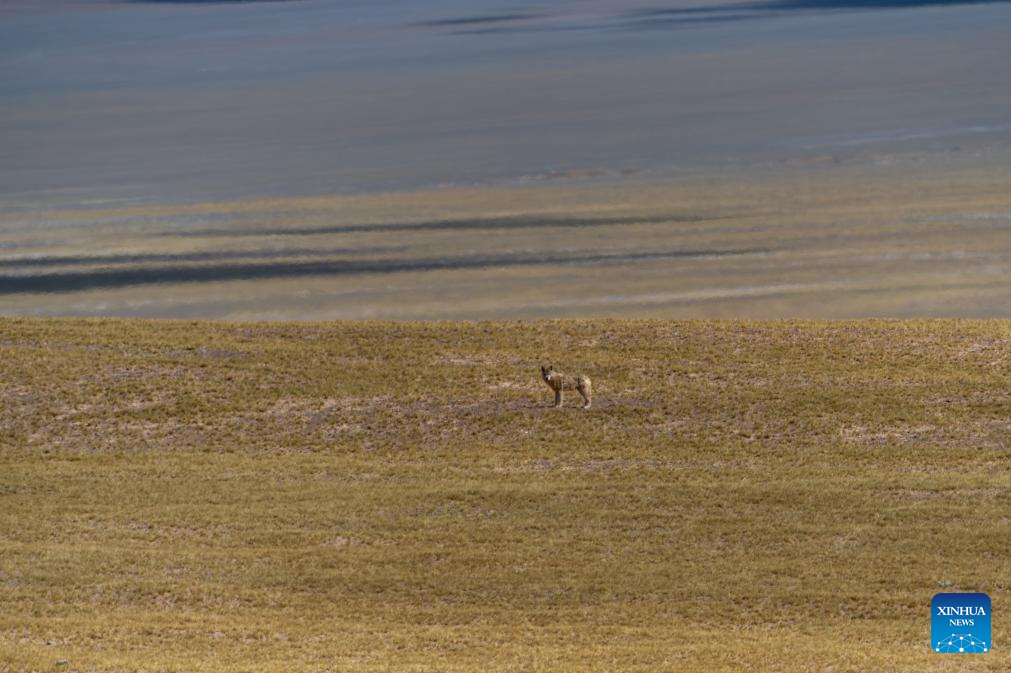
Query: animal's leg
(558,398)
(587,394)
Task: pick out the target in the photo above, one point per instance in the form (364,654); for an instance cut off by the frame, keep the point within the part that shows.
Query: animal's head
(546,372)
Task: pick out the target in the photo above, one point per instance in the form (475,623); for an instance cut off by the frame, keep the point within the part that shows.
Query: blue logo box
(960,623)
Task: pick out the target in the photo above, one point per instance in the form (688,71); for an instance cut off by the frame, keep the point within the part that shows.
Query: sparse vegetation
(205,497)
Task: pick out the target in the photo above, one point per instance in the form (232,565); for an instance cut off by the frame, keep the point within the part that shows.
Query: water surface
(170,100)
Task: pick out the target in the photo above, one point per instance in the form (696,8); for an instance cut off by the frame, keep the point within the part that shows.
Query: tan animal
(558,382)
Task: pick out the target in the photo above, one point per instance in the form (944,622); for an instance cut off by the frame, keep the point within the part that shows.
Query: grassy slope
(397,497)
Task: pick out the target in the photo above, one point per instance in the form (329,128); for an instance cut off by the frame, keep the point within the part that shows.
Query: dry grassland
(764,496)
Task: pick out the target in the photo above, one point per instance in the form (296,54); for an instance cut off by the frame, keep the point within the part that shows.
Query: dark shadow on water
(473,224)
(479,20)
(676,17)
(664,17)
(178,258)
(118,278)
(693,19)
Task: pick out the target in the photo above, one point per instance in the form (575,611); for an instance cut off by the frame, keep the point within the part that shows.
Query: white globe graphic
(960,642)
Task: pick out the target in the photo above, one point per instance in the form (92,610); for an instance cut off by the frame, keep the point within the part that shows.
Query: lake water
(122,102)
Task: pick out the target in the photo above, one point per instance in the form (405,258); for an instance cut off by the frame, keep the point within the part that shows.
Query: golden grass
(766,496)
